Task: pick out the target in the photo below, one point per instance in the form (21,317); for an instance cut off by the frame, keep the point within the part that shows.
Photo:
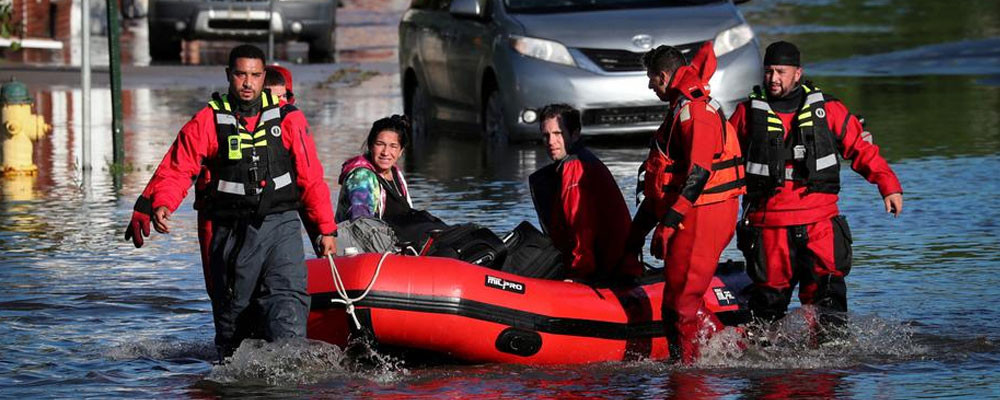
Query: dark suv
(311,21)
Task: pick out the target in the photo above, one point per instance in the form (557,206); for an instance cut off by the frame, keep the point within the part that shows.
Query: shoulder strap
(288,109)
(219,103)
(717,107)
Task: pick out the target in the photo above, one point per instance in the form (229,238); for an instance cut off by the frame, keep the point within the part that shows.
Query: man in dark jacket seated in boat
(579,203)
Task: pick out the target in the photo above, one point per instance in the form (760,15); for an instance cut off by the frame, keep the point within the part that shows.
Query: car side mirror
(467,8)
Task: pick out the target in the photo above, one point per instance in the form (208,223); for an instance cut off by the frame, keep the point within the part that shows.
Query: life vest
(664,177)
(811,146)
(253,173)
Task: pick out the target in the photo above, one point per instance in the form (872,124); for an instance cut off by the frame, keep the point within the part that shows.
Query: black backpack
(415,226)
(531,253)
(471,243)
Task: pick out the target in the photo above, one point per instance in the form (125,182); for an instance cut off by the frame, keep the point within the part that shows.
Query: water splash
(303,361)
(363,360)
(789,344)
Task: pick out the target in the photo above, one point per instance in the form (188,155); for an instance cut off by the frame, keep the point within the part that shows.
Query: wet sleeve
(864,154)
(580,216)
(182,163)
(361,190)
(314,192)
(700,136)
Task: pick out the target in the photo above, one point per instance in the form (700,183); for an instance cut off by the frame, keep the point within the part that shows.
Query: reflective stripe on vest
(232,187)
(758,169)
(282,181)
(826,161)
(762,169)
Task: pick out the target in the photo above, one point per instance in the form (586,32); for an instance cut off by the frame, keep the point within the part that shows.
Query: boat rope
(338,284)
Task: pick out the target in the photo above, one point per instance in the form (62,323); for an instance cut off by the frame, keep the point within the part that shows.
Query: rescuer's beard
(245,107)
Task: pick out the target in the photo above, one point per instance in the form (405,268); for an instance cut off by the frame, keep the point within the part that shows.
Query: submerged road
(84,314)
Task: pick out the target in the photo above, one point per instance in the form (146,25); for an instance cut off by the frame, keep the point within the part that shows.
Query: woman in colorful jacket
(371,185)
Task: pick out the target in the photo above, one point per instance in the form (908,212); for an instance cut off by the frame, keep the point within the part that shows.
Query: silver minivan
(494,63)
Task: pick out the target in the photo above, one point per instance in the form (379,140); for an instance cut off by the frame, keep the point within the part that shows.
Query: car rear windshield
(553,6)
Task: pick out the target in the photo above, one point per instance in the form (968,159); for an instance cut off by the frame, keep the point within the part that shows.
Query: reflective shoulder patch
(269,114)
(714,106)
(760,105)
(685,112)
(814,98)
(225,119)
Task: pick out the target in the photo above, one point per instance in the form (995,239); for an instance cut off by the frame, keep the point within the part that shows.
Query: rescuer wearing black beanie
(794,135)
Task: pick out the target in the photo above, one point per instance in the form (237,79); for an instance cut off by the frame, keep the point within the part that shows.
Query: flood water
(84,314)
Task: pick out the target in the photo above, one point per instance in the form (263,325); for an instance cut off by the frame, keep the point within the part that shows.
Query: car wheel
(324,47)
(420,111)
(163,47)
(494,127)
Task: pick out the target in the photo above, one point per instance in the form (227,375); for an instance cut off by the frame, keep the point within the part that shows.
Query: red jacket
(591,221)
(791,204)
(197,141)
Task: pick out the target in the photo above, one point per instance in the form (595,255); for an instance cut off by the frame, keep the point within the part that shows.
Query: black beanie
(782,53)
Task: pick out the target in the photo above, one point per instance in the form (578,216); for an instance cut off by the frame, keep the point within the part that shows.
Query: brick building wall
(42,19)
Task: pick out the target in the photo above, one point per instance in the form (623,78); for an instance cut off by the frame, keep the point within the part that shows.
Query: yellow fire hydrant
(20,126)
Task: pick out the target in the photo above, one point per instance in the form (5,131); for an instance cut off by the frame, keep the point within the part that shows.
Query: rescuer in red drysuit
(278,80)
(692,183)
(579,203)
(264,169)
(792,233)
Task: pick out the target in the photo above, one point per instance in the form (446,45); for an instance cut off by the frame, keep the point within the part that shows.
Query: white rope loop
(341,289)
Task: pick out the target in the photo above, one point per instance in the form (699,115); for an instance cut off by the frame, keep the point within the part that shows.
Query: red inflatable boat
(477,314)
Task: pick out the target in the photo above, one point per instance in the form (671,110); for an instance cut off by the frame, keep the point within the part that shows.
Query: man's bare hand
(328,244)
(161,215)
(894,204)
